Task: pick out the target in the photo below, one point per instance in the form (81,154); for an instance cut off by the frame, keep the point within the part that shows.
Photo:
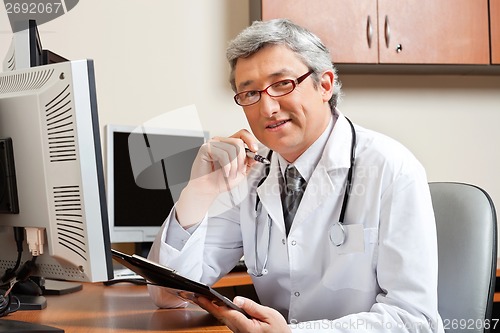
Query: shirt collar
(307,162)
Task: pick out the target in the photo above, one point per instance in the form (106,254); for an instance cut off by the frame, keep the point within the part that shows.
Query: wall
(153,56)
(449,122)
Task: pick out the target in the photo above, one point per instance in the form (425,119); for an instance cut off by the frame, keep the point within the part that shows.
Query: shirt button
(294,243)
(283,241)
(296,293)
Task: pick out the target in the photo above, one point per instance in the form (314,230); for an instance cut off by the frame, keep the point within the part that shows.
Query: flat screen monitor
(26,50)
(147,168)
(51,174)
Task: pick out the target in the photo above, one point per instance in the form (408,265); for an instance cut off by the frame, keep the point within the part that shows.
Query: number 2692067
(33,7)
(470,324)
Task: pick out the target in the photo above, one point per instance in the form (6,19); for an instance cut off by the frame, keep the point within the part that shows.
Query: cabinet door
(495,31)
(348,28)
(433,32)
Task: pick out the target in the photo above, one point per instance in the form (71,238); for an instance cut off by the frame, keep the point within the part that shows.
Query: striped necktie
(294,188)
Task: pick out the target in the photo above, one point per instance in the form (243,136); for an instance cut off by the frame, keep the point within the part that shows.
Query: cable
(6,301)
(10,273)
(19,238)
(5,304)
(9,304)
(27,269)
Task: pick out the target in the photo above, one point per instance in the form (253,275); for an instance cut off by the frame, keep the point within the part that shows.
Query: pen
(257,157)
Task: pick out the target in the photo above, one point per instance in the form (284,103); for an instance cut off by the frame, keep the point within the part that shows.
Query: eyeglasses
(277,89)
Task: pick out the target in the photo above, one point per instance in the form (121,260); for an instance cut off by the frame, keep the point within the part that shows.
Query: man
(359,252)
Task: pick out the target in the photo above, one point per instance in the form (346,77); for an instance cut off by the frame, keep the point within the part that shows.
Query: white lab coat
(383,278)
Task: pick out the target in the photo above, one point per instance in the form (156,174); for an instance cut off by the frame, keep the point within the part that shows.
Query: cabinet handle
(369,31)
(387,30)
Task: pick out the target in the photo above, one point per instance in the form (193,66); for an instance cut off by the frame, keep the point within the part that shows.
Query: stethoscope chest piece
(337,234)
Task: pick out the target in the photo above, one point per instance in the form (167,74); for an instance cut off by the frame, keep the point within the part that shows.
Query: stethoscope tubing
(337,232)
(350,173)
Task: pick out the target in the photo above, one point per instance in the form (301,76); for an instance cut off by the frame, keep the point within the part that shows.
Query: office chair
(467,245)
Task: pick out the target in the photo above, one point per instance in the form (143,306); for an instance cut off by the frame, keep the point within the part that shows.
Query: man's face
(288,124)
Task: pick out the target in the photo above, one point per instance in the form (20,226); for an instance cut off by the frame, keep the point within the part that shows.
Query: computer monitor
(52,162)
(26,49)
(147,168)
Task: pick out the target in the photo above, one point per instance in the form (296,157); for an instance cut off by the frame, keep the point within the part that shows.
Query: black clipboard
(176,284)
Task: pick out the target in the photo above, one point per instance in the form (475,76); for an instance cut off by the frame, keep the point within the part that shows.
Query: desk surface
(117,308)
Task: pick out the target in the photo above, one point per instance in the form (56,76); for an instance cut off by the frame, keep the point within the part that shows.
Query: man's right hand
(221,164)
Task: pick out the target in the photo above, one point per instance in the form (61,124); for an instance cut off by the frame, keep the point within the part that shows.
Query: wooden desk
(234,279)
(117,308)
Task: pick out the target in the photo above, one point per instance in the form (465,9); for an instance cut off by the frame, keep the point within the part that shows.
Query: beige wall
(154,56)
(449,122)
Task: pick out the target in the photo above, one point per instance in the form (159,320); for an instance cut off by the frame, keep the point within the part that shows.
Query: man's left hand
(263,319)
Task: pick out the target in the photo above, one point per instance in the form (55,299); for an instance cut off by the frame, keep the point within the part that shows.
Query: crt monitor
(147,167)
(51,174)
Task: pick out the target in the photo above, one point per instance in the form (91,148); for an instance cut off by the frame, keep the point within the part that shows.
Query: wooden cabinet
(434,32)
(348,28)
(393,31)
(495,31)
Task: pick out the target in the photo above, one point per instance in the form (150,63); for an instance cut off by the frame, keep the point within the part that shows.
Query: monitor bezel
(139,233)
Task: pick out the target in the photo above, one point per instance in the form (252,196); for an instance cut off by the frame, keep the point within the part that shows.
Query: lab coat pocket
(351,265)
(354,239)
(357,240)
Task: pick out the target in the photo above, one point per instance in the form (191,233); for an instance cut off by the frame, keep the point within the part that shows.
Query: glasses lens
(281,88)
(247,97)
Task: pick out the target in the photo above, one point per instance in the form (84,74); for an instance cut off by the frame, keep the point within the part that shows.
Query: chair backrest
(467,245)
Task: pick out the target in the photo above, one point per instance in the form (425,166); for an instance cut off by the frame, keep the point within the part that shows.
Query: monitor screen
(54,168)
(147,168)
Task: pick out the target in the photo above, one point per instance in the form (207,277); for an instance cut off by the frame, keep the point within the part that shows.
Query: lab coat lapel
(328,178)
(269,194)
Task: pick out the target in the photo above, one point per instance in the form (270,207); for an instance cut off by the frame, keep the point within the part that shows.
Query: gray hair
(304,43)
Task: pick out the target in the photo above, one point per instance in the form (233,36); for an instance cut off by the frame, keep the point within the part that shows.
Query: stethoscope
(337,232)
